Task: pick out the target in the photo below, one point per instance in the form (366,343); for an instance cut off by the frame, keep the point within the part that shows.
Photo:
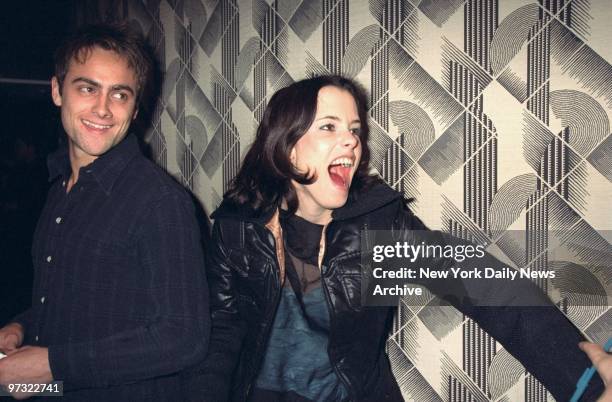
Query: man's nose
(102,106)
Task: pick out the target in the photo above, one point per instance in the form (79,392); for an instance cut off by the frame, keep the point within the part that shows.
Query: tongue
(340,175)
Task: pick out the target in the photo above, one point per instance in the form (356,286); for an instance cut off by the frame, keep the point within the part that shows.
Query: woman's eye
(328,127)
(355,131)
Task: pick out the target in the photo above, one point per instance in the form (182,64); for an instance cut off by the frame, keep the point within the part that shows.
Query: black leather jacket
(246,272)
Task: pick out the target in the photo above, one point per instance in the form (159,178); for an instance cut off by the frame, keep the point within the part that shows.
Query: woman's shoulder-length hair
(265,176)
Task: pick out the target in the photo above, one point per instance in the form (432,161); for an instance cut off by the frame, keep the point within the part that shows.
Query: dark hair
(264,179)
(119,38)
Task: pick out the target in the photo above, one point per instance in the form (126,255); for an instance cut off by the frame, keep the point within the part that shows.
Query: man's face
(98,103)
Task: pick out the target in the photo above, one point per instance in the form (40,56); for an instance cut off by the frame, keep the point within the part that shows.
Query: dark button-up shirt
(120,295)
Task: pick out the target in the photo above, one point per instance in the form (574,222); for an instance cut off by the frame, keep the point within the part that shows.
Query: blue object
(584,379)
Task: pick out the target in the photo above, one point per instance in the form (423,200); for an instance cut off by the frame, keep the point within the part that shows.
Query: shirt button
(36,338)
(64,183)
(58,220)
(49,258)
(42,300)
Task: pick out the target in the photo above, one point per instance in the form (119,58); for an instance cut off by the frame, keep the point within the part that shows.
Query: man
(120,301)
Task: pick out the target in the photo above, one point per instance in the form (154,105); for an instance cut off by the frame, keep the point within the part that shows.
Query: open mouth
(340,171)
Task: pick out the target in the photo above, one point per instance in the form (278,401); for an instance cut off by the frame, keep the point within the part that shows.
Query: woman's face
(329,151)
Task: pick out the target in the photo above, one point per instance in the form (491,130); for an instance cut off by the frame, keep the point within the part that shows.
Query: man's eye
(120,96)
(87,90)
(328,127)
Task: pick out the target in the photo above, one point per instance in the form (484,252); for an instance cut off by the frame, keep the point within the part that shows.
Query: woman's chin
(335,202)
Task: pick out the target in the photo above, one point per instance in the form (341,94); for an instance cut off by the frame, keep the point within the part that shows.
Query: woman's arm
(517,314)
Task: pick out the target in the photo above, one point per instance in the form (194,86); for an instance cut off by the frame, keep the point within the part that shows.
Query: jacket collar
(365,202)
(357,204)
(244,212)
(105,169)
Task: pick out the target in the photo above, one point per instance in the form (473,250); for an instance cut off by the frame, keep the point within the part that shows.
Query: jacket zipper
(366,236)
(339,374)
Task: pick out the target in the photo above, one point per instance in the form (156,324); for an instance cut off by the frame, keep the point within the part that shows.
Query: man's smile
(96,126)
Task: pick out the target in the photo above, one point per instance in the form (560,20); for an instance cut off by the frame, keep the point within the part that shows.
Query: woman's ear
(293,156)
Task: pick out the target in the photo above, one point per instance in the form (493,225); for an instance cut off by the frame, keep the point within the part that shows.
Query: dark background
(29,32)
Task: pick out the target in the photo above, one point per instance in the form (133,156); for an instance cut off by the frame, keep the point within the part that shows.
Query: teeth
(345,162)
(96,126)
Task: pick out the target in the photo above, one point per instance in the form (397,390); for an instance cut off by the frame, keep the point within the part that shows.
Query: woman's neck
(318,216)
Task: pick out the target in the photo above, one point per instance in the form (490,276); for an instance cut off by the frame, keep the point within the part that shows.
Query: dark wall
(29,32)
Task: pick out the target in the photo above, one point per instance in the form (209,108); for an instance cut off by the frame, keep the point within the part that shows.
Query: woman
(284,268)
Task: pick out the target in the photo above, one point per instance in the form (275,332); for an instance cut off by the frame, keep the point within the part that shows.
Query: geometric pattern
(493,115)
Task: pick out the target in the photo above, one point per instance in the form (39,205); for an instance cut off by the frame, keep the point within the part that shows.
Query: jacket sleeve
(169,251)
(211,380)
(518,315)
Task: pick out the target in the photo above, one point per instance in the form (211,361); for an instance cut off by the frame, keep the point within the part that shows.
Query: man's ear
(56,92)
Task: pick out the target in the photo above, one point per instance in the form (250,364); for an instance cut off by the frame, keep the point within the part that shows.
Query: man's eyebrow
(118,87)
(122,87)
(87,80)
(336,118)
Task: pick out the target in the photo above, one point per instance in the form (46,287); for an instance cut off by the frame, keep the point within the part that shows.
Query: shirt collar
(105,169)
(58,163)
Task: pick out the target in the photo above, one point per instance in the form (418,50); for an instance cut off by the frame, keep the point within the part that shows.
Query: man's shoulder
(151,181)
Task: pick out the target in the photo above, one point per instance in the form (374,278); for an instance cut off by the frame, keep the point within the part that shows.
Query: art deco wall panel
(493,115)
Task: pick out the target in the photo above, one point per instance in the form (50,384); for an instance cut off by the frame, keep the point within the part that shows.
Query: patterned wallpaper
(494,115)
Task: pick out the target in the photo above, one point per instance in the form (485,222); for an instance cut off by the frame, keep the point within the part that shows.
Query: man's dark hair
(118,38)
(264,179)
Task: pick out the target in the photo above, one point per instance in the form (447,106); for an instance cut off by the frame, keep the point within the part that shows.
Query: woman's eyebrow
(336,118)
